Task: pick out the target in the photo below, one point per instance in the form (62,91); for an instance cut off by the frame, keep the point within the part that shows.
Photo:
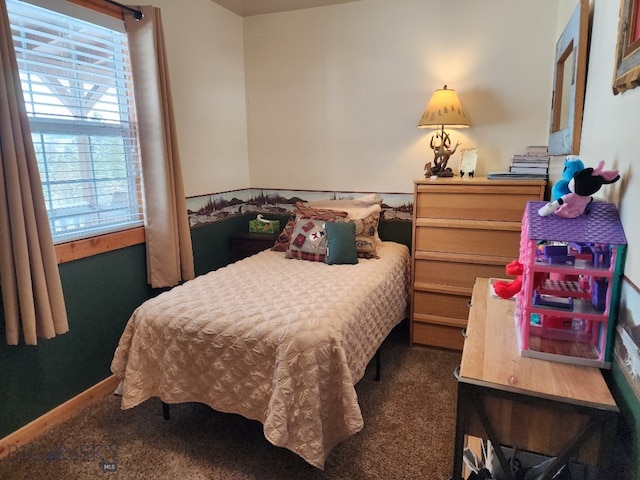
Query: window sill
(77,249)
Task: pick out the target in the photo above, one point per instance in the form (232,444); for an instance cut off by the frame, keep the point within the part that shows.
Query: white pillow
(365,201)
(369,199)
(360,207)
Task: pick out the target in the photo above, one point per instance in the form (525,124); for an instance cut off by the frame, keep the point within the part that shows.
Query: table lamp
(444,109)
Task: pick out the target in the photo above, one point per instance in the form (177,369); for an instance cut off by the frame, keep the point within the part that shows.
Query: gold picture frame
(627,66)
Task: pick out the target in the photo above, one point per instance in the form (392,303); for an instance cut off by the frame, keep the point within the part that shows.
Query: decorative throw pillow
(366,232)
(301,210)
(341,243)
(308,240)
(282,242)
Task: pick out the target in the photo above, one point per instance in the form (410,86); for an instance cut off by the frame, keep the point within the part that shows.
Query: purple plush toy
(583,184)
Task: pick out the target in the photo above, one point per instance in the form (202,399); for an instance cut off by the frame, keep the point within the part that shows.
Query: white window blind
(78,92)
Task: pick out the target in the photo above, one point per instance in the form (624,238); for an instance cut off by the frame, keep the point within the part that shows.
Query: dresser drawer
(441,304)
(477,202)
(460,238)
(455,273)
(437,335)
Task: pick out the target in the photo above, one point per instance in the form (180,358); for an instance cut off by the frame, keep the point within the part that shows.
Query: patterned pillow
(308,240)
(366,232)
(282,242)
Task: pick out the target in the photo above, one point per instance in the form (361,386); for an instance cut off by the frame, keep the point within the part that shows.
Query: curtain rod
(136,13)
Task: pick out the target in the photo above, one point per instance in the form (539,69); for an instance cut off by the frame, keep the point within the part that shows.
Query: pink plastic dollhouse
(570,318)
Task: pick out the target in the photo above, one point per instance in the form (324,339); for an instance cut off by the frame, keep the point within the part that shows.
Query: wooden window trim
(77,249)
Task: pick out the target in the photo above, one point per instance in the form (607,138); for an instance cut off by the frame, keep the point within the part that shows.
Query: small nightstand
(245,244)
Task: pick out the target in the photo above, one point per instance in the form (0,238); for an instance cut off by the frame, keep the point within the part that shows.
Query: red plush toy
(506,289)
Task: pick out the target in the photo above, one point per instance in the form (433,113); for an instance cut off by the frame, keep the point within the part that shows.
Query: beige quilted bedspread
(276,340)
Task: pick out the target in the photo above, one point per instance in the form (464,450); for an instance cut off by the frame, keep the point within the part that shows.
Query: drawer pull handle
(456,373)
(464,332)
(469,304)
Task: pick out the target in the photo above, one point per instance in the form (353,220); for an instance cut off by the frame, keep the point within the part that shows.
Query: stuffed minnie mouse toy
(583,184)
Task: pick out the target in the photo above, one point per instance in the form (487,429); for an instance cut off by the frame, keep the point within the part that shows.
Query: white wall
(565,10)
(206,67)
(610,128)
(334,93)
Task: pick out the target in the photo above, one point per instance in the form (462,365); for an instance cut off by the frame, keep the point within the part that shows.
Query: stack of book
(534,164)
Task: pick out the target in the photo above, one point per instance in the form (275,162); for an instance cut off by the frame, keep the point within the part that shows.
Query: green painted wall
(211,242)
(100,292)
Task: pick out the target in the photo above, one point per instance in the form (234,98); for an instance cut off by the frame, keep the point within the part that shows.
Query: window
(78,92)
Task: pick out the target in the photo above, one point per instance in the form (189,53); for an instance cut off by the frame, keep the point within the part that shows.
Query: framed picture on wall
(627,65)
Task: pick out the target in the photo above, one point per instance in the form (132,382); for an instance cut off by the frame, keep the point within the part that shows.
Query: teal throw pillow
(341,243)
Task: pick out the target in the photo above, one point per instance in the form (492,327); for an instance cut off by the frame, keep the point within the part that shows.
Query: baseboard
(58,415)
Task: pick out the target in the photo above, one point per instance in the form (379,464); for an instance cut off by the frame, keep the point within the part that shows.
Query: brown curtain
(167,233)
(29,276)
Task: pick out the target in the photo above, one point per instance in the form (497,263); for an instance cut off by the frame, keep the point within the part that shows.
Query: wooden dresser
(463,228)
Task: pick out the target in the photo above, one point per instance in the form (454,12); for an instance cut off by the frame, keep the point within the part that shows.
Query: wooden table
(551,408)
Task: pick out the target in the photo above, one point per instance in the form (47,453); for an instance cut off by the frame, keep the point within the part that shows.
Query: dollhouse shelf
(564,288)
(568,304)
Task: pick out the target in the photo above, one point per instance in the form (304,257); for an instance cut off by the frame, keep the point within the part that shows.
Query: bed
(274,339)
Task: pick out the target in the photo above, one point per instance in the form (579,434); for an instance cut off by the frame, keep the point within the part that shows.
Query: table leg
(460,426)
(486,423)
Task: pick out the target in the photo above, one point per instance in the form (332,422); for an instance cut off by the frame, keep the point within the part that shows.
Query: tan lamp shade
(444,109)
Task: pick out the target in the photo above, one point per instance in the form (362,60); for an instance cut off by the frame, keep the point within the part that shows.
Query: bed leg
(165,411)
(378,365)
